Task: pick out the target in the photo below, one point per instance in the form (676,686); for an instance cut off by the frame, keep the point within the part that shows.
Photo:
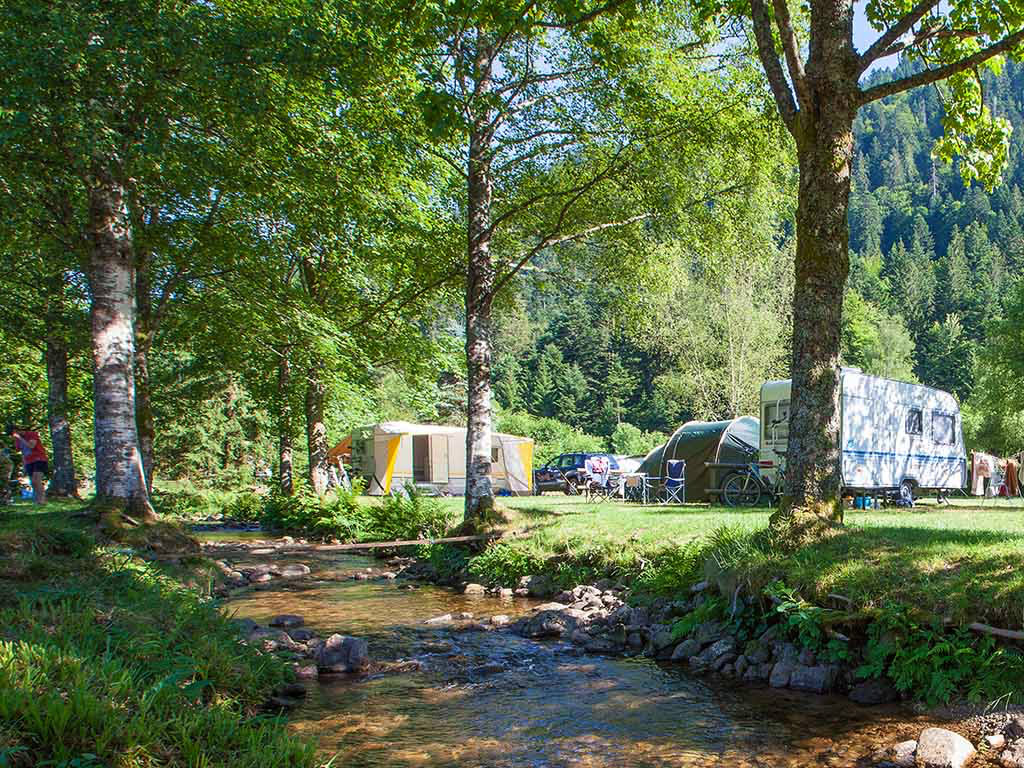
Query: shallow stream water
(491,698)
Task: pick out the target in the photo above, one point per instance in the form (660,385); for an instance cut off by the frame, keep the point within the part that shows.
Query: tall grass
(106,660)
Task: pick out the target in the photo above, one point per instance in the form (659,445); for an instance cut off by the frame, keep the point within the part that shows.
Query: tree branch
(940,73)
(882,45)
(770,61)
(791,47)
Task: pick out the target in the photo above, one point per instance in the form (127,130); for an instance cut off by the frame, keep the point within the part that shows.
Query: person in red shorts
(33,457)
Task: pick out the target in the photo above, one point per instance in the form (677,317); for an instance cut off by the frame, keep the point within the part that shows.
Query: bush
(633,441)
(410,515)
(550,436)
(504,564)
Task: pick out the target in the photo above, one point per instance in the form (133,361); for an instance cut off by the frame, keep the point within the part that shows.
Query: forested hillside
(933,263)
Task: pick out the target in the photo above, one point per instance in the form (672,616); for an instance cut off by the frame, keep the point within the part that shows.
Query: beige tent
(394,453)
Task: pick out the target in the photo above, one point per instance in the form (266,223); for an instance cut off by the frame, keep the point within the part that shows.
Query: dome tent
(697,442)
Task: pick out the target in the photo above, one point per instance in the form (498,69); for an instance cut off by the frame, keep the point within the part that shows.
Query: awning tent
(395,453)
(699,442)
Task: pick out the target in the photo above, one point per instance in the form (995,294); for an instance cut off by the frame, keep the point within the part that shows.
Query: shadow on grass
(964,574)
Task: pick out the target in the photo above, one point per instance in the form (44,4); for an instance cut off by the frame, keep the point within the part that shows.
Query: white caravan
(892,434)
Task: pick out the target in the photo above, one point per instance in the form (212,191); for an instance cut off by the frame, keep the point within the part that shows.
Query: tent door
(439,458)
(421,459)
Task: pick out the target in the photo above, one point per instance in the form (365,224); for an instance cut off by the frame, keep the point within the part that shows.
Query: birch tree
(538,107)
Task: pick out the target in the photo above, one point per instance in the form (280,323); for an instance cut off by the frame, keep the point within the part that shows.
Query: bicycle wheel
(741,490)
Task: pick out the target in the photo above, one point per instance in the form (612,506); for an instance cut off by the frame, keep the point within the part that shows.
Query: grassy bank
(108,660)
(960,562)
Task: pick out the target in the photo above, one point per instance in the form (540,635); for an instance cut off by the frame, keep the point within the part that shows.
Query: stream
(491,698)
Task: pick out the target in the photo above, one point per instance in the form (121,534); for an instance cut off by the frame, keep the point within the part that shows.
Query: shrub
(633,441)
(550,436)
(504,564)
(409,515)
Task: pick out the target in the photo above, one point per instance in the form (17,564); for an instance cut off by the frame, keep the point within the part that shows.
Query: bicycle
(745,488)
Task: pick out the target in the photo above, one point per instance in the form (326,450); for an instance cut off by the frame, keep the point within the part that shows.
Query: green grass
(962,562)
(107,660)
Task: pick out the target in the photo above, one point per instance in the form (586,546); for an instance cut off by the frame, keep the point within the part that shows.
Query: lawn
(962,562)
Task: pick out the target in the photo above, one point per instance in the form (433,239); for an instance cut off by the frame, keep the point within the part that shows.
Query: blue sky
(864,36)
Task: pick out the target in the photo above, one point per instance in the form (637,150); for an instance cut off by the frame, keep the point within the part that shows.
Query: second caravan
(892,434)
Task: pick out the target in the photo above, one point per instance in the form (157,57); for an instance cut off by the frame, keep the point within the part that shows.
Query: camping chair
(675,481)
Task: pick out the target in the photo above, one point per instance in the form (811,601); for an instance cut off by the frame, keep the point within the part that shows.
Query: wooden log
(300,548)
(985,629)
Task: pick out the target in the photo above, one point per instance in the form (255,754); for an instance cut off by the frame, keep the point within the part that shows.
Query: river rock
(602,645)
(262,551)
(245,626)
(781,673)
(443,619)
(551,607)
(536,586)
(552,623)
(661,638)
(341,653)
(505,593)
(708,632)
(686,649)
(1014,728)
(579,637)
(262,578)
(897,756)
(301,635)
(995,741)
(757,652)
(817,679)
(271,639)
(939,748)
(1013,755)
(741,665)
(635,641)
(305,671)
(715,656)
(872,692)
(294,570)
(287,621)
(500,620)
(474,589)
(807,657)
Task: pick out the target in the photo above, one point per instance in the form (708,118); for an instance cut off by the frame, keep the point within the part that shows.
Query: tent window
(915,422)
(494,454)
(943,428)
(421,458)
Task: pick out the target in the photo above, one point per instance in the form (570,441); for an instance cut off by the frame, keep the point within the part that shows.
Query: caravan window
(943,428)
(915,422)
(776,422)
(494,454)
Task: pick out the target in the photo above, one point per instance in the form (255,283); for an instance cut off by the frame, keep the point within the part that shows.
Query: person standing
(34,459)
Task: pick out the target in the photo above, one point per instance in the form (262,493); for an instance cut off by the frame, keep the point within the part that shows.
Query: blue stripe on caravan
(887,454)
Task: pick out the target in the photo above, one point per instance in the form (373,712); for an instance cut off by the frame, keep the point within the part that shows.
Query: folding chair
(675,481)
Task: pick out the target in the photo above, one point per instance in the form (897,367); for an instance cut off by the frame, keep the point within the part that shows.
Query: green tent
(697,442)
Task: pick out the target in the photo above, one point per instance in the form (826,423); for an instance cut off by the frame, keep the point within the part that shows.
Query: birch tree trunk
(479,296)
(316,430)
(285,427)
(120,480)
(62,481)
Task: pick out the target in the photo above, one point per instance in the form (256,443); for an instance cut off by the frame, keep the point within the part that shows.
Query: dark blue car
(562,473)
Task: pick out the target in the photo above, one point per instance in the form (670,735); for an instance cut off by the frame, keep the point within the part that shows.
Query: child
(34,459)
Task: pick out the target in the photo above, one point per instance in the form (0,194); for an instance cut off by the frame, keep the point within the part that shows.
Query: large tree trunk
(285,427)
(143,342)
(120,481)
(316,430)
(62,481)
(479,295)
(824,138)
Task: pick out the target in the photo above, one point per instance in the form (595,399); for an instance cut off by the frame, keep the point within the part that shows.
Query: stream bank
(475,692)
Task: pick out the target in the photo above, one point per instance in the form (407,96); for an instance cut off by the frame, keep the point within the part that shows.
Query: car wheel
(907,492)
